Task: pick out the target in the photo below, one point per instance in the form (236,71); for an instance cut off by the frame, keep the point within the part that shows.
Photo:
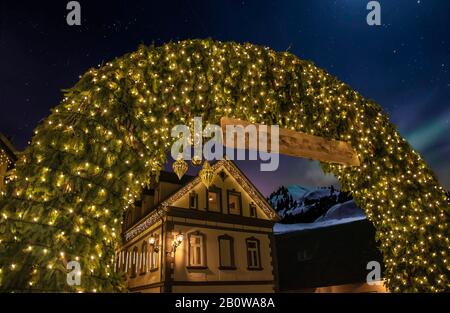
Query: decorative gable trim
(241,180)
(145,224)
(237,174)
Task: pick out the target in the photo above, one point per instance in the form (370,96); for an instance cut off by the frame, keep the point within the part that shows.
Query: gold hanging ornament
(180,167)
(196,160)
(207,174)
(67,188)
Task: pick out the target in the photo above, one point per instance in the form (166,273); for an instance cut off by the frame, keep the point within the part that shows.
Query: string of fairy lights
(89,160)
(4,159)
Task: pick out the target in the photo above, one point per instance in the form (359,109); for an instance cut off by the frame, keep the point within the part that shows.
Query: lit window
(213,199)
(252,209)
(134,260)
(197,253)
(226,252)
(143,258)
(193,200)
(234,202)
(253,254)
(154,255)
(123,260)
(117,267)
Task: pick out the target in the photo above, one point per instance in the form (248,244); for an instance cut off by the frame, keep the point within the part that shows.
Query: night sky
(403,65)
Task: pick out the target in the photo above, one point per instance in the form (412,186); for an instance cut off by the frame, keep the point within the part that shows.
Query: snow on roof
(279,228)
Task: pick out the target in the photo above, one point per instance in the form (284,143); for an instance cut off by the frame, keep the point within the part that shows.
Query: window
(129,257)
(253,254)
(193,200)
(252,209)
(226,252)
(214,199)
(137,212)
(154,254)
(146,204)
(234,202)
(134,259)
(123,260)
(143,258)
(304,255)
(117,267)
(197,250)
(128,219)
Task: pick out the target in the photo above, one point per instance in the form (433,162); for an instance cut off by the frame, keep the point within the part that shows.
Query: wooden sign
(296,144)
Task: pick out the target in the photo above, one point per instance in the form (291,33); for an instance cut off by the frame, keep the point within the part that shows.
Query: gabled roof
(242,180)
(237,174)
(168,177)
(171,177)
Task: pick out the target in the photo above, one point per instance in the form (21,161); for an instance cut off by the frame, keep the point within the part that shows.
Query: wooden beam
(298,144)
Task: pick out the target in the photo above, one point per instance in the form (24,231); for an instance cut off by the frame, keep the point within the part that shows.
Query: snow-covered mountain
(348,209)
(315,206)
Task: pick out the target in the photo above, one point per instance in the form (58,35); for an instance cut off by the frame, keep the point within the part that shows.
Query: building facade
(8,156)
(331,259)
(183,237)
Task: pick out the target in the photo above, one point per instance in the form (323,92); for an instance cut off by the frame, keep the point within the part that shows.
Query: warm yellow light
(179,238)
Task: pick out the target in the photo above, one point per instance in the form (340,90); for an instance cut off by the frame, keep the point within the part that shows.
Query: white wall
(150,276)
(181,273)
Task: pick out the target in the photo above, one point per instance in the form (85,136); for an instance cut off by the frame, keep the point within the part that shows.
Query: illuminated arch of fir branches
(92,156)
